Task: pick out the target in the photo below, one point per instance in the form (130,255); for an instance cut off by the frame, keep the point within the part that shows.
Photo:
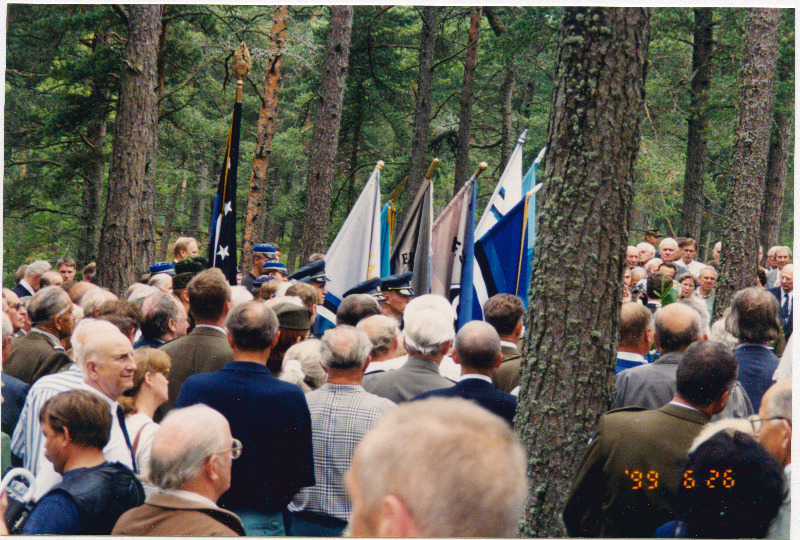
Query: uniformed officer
(261,253)
(276,269)
(397,292)
(314,274)
(370,286)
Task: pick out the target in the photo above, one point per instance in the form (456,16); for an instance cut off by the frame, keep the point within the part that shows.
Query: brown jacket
(506,377)
(34,355)
(168,515)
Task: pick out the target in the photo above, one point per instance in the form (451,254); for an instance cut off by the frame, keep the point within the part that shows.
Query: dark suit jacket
(33,356)
(271,419)
(756,366)
(14,392)
(483,393)
(785,323)
(506,377)
(202,351)
(21,291)
(602,501)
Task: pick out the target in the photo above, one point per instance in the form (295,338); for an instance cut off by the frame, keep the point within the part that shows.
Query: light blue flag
(387,221)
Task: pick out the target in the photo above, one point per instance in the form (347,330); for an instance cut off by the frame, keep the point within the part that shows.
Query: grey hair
(240,295)
(158,309)
(47,303)
(345,347)
(700,307)
(94,298)
(781,402)
(185,438)
(668,240)
(308,354)
(754,316)
(8,328)
(159,281)
(646,245)
(427,330)
(37,268)
(82,332)
(382,331)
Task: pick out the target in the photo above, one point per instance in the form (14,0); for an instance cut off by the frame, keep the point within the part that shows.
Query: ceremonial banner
(411,251)
(387,224)
(452,248)
(222,232)
(355,254)
(507,193)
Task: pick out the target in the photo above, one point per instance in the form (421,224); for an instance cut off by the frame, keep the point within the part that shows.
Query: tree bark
(697,139)
(169,218)
(507,135)
(127,242)
(325,137)
(739,258)
(776,180)
(422,111)
(465,110)
(592,144)
(259,182)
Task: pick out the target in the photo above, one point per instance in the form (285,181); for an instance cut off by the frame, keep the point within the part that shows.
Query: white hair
(81,334)
(429,301)
(37,268)
(240,295)
(427,330)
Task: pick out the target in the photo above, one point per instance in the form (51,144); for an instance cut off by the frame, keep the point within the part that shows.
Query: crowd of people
(193,407)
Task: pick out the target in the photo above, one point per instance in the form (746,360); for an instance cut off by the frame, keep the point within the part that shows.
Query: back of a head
(306,292)
(51,278)
(302,365)
(93,298)
(676,327)
(47,303)
(208,293)
(658,284)
(706,371)
(158,309)
(503,311)
(37,268)
(122,314)
(477,345)
(778,399)
(464,457)
(754,316)
(85,329)
(634,321)
(252,326)
(429,301)
(345,348)
(701,308)
(356,307)
(427,330)
(240,295)
(184,439)
(77,292)
(84,414)
(732,488)
(382,331)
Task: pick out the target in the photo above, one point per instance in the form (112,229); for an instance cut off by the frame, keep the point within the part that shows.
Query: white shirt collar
(476,376)
(508,344)
(625,355)
(214,326)
(26,286)
(189,496)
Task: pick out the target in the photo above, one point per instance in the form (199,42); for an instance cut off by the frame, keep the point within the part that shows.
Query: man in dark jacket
(93,492)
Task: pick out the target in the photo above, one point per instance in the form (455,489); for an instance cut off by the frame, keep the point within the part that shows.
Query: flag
(502,254)
(453,251)
(412,248)
(222,231)
(387,225)
(529,181)
(507,193)
(528,184)
(355,254)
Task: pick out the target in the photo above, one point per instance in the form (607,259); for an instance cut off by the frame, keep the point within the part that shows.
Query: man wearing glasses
(191,464)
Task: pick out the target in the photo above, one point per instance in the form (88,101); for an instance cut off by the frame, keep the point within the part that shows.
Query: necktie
(785,307)
(121,419)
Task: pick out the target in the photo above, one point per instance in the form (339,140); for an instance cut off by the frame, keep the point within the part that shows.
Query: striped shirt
(27,438)
(341,414)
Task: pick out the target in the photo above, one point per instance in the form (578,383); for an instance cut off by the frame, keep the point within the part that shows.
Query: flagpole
(481,167)
(432,168)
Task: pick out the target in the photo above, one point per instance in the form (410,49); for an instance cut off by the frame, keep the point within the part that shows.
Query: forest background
(63,65)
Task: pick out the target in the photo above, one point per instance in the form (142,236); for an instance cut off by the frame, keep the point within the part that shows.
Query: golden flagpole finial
(240,67)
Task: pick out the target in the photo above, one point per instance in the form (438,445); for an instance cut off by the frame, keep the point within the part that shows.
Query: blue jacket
(757,364)
(481,392)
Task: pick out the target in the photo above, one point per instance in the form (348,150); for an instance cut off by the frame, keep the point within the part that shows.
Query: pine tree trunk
(573,323)
(169,218)
(422,111)
(697,137)
(508,140)
(127,242)
(325,137)
(462,172)
(757,94)
(259,182)
(777,162)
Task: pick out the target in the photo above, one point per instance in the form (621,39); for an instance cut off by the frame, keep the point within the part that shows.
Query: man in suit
(635,336)
(270,417)
(41,351)
(165,319)
(785,298)
(428,336)
(504,312)
(477,349)
(205,348)
(31,280)
(627,482)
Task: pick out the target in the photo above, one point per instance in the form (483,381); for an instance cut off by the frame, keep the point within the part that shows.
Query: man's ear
(454,356)
(230,339)
(396,520)
(212,467)
(275,339)
(498,360)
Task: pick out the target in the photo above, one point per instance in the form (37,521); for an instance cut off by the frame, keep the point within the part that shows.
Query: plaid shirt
(341,414)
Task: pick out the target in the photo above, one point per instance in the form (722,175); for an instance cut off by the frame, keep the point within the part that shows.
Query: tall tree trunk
(422,111)
(169,217)
(197,215)
(567,376)
(354,148)
(776,180)
(259,182)
(756,98)
(294,245)
(465,109)
(325,137)
(506,112)
(697,138)
(127,241)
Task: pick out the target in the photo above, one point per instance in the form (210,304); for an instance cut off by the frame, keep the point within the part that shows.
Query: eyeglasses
(15,306)
(756,421)
(235,449)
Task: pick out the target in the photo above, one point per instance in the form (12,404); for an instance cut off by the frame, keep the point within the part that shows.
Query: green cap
(292,317)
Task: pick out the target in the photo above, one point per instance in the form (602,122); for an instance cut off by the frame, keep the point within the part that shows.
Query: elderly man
(418,490)
(16,312)
(41,351)
(185,246)
(504,312)
(193,451)
(92,493)
(384,333)
(668,249)
(651,386)
(635,336)
(785,298)
(205,348)
(631,257)
(356,307)
(707,281)
(428,336)
(31,280)
(773,427)
(341,414)
(66,267)
(165,319)
(269,416)
(628,479)
(477,350)
(646,252)
(50,277)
